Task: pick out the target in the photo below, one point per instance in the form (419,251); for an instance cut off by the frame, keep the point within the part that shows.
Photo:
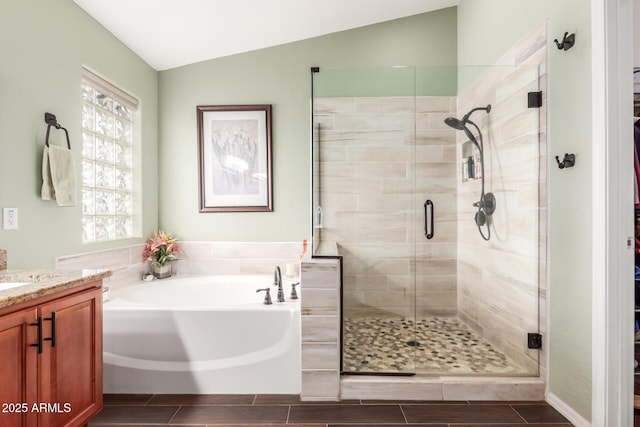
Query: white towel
(58,176)
(47,192)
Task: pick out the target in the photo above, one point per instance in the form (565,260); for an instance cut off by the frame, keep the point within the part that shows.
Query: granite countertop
(42,282)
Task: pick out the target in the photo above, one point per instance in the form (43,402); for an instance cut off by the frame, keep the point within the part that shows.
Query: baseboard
(567,411)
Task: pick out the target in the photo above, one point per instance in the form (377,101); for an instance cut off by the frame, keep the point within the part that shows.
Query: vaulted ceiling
(171,33)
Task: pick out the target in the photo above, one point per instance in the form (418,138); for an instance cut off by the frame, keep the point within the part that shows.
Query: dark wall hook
(568,40)
(568,161)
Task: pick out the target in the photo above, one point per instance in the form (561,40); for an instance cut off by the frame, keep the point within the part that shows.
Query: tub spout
(277,281)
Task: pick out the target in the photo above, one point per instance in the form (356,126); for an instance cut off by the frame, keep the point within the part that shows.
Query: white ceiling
(171,33)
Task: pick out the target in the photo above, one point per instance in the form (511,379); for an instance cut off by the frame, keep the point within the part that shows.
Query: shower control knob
(487,203)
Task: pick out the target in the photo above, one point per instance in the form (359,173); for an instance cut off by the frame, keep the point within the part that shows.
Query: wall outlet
(10,218)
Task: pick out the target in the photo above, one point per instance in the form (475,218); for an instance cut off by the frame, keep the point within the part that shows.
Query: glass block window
(108,116)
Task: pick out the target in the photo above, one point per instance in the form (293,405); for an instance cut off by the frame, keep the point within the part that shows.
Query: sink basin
(10,285)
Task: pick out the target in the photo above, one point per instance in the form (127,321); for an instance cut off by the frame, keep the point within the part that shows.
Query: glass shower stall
(408,201)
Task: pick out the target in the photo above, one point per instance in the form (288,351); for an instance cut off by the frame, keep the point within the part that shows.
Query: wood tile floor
(287,410)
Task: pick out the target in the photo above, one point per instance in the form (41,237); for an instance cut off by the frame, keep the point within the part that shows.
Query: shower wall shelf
(471,168)
(469,172)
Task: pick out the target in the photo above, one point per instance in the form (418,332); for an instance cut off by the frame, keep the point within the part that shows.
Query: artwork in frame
(234,154)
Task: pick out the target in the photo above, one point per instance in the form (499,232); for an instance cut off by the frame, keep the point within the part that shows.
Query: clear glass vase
(161,271)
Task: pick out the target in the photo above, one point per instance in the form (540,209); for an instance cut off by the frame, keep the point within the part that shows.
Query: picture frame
(234,157)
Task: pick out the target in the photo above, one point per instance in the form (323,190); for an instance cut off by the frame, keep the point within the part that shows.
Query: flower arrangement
(161,249)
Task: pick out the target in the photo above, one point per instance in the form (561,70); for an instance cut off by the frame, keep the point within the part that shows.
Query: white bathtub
(203,335)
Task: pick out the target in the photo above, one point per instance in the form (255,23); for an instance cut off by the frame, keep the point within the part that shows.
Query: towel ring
(51,120)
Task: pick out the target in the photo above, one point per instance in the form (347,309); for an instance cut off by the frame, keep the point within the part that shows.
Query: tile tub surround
(124,263)
(502,283)
(237,257)
(3,259)
(375,153)
(197,257)
(288,410)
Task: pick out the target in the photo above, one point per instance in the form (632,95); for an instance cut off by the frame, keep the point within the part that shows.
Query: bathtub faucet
(277,281)
(294,295)
(267,296)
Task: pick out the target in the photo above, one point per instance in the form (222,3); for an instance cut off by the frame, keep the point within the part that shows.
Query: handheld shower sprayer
(487,203)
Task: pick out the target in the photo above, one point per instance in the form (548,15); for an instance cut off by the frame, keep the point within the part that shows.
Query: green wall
(279,76)
(570,192)
(44,44)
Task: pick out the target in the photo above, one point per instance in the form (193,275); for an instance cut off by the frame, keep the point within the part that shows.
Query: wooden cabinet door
(18,364)
(70,369)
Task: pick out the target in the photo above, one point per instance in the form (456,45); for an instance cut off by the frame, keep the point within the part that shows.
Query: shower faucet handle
(267,295)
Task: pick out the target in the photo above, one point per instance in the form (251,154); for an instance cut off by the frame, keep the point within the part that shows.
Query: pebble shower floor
(438,345)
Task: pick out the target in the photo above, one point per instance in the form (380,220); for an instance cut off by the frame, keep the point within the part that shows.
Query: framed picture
(234,155)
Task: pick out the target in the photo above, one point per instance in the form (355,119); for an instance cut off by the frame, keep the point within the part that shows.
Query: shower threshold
(441,388)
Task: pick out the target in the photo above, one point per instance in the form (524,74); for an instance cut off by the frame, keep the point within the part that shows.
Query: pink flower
(161,248)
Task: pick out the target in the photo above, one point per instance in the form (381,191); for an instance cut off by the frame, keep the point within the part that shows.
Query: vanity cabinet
(51,353)
(18,368)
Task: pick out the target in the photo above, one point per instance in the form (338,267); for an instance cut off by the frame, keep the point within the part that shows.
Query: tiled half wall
(320,329)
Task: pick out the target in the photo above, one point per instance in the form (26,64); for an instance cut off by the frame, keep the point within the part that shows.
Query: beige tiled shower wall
(380,159)
(502,282)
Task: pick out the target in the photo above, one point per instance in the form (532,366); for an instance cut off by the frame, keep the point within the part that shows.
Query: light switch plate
(10,218)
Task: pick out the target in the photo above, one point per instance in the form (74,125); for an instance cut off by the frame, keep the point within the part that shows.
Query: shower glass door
(365,209)
(435,280)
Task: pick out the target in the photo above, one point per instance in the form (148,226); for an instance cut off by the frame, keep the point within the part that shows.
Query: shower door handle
(428,219)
